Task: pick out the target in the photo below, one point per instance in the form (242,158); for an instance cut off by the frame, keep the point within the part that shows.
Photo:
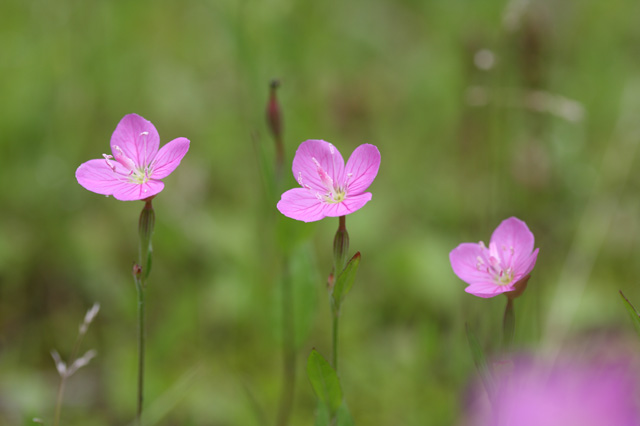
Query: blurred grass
(393,73)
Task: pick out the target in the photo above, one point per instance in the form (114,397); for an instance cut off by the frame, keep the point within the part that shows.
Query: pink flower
(568,393)
(494,270)
(329,188)
(135,169)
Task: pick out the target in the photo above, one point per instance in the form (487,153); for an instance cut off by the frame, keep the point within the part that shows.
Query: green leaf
(323,417)
(344,416)
(633,313)
(324,381)
(345,280)
(480,361)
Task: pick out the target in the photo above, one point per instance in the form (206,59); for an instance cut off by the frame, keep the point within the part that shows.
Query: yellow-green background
(397,74)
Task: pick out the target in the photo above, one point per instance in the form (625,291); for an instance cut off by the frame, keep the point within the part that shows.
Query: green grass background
(397,74)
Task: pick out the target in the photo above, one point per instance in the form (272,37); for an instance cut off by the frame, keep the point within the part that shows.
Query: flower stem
(508,325)
(140,274)
(336,315)
(141,343)
(288,350)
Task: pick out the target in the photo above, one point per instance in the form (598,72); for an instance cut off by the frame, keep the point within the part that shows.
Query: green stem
(508,325)
(141,343)
(140,273)
(56,418)
(288,350)
(336,315)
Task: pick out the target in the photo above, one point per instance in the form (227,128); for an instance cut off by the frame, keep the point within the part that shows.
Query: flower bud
(340,247)
(274,118)
(145,230)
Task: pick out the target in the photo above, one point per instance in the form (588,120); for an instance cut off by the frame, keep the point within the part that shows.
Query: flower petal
(362,168)
(305,169)
(487,289)
(527,265)
(348,206)
(98,177)
(464,261)
(137,138)
(514,242)
(136,191)
(301,204)
(169,157)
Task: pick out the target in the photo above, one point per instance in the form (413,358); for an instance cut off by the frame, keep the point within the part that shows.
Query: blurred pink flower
(135,169)
(570,393)
(494,270)
(329,188)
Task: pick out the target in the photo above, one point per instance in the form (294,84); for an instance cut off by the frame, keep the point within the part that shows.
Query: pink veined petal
(464,261)
(136,191)
(169,157)
(98,177)
(514,242)
(131,138)
(527,265)
(362,168)
(305,170)
(301,204)
(348,206)
(487,289)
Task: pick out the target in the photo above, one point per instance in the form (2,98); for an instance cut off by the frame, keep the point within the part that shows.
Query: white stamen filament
(502,275)
(335,194)
(108,157)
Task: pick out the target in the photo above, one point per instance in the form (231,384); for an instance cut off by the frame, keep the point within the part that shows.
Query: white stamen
(144,133)
(108,157)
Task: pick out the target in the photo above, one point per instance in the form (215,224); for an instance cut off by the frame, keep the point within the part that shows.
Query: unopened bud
(340,247)
(145,229)
(137,271)
(274,118)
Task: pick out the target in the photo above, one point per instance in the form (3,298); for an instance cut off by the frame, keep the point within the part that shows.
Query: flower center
(502,274)
(335,193)
(137,174)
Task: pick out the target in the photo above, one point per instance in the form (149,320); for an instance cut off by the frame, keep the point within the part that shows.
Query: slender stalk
(508,325)
(56,417)
(63,377)
(336,315)
(340,251)
(140,274)
(288,350)
(141,345)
